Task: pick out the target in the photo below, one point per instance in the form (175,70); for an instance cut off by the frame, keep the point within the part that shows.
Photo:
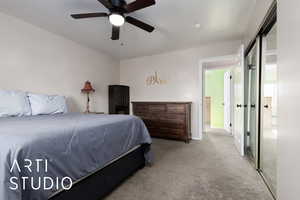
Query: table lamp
(88,88)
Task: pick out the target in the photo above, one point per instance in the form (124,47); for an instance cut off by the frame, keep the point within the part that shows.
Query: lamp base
(87,103)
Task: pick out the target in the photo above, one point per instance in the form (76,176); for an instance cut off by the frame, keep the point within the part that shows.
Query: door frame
(201,84)
(231,102)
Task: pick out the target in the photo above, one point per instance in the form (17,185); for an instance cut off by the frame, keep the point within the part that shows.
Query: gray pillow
(14,103)
(47,104)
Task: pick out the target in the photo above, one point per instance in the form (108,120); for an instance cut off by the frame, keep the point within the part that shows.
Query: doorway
(218,96)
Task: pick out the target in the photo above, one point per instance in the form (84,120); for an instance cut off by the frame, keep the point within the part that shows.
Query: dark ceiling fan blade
(115,33)
(139,24)
(138,4)
(106,3)
(88,15)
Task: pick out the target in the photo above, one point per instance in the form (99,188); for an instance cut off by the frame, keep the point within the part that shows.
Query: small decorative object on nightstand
(88,89)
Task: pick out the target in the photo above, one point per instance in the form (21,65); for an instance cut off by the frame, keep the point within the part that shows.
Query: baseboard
(196,138)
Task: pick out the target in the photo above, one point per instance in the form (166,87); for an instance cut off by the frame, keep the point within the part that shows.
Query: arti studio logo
(34,167)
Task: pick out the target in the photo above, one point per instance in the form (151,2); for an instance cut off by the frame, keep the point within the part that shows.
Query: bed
(92,153)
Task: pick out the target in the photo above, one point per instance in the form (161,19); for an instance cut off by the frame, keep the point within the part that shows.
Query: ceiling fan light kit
(117,10)
(116,19)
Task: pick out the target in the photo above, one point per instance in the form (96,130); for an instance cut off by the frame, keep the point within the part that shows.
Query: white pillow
(47,104)
(14,103)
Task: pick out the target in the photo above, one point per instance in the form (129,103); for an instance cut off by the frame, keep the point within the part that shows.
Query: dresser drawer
(171,123)
(143,115)
(179,118)
(176,108)
(140,108)
(157,108)
(150,123)
(159,121)
(166,132)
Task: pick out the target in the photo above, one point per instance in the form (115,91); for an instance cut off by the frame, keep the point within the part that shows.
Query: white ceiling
(174,20)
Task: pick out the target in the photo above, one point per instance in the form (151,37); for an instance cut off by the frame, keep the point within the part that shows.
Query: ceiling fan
(117,11)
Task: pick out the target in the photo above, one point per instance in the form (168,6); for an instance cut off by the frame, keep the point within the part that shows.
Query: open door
(227,101)
(238,82)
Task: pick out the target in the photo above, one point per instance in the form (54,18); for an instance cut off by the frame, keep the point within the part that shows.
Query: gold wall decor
(155,80)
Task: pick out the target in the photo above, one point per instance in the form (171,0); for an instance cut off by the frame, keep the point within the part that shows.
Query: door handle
(238,105)
(251,66)
(266,106)
(252,105)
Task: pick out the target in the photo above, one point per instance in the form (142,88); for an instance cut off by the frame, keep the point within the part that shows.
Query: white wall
(259,12)
(289,98)
(35,60)
(179,68)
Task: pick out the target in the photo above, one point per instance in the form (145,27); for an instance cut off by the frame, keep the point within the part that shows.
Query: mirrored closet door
(269,125)
(261,96)
(252,96)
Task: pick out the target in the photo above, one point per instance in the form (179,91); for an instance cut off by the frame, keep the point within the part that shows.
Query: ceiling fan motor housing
(118,3)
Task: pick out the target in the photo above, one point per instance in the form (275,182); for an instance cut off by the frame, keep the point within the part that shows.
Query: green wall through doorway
(214,88)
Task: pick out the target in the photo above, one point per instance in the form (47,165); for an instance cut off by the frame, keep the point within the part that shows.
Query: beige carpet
(203,170)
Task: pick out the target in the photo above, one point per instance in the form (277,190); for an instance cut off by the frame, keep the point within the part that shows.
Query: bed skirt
(101,183)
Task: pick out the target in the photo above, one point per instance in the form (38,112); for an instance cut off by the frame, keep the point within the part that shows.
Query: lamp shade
(87,87)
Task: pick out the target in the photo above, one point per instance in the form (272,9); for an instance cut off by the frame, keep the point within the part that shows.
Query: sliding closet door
(269,125)
(252,73)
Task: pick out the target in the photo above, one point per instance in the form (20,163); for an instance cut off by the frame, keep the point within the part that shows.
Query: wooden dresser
(170,120)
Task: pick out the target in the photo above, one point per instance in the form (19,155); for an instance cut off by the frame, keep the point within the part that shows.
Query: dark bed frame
(104,181)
